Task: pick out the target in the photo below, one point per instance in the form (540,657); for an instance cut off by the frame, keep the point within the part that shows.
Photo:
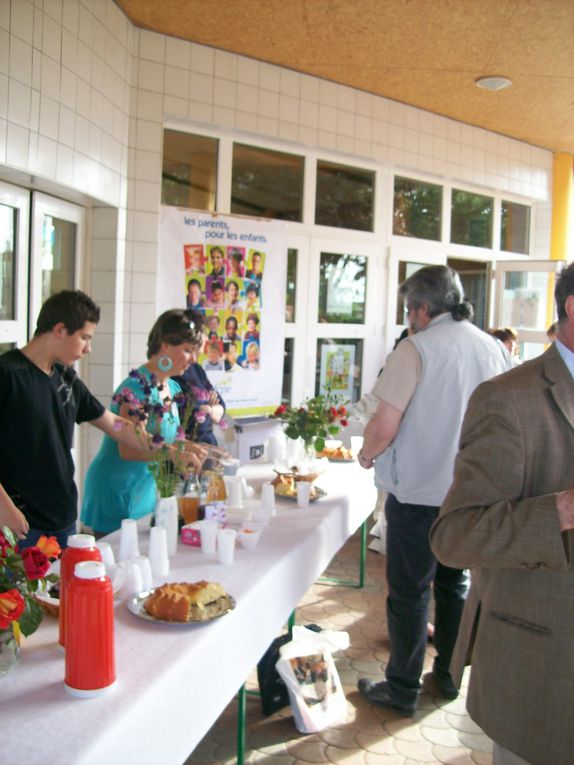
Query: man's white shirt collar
(566,354)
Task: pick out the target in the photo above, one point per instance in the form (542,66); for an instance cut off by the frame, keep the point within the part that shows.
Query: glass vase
(9,650)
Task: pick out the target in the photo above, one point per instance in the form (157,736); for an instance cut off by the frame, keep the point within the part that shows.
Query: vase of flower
(9,650)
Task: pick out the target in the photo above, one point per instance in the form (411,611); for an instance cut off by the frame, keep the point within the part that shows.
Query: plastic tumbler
(303,493)
(208,530)
(158,556)
(226,545)
(268,495)
(129,546)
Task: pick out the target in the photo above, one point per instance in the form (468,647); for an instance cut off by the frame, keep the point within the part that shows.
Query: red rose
(344,423)
(11,607)
(332,412)
(342,411)
(36,563)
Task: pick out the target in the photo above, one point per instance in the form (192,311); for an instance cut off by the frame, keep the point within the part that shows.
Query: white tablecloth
(173,681)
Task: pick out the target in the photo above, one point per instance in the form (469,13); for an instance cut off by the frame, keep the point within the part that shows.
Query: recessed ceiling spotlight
(493,83)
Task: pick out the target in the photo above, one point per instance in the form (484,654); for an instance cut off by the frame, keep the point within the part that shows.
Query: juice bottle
(90,650)
(80,547)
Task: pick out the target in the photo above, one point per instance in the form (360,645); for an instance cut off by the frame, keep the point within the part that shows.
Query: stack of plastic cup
(158,557)
(129,547)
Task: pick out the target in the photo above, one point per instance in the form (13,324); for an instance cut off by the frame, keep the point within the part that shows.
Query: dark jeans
(411,570)
(34,535)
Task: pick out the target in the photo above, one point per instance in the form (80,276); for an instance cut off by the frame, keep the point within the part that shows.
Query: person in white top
(411,441)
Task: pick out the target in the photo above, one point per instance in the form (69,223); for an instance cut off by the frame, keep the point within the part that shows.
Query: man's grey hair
(440,289)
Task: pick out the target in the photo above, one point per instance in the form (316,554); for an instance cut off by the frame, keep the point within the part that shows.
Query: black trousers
(411,570)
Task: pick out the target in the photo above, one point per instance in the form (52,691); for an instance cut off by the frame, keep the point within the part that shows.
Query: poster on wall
(233,270)
(337,363)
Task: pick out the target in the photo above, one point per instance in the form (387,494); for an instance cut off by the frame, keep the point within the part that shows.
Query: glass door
(14,222)
(346,296)
(332,290)
(524,301)
(57,249)
(56,259)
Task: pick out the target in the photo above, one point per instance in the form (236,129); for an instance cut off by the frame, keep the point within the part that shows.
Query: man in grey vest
(412,440)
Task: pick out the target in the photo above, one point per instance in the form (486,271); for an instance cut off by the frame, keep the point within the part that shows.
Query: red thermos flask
(80,547)
(90,655)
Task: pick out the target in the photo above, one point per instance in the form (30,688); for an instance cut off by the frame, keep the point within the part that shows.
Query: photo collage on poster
(224,283)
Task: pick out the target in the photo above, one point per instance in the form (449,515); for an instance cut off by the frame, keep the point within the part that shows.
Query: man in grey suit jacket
(509,514)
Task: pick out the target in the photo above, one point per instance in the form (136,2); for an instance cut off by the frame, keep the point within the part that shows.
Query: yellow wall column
(562,233)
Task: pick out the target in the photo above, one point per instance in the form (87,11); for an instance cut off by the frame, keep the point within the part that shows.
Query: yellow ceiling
(427,53)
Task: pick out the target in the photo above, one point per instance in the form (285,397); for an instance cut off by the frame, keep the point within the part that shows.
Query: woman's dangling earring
(164,363)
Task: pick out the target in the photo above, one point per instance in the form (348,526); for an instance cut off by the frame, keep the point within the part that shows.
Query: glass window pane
(287,370)
(8,223)
(417,209)
(528,351)
(344,197)
(515,228)
(525,298)
(291,285)
(342,288)
(471,219)
(58,255)
(339,367)
(405,270)
(189,170)
(265,183)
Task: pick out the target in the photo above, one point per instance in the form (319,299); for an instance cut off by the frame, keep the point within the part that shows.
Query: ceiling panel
(427,53)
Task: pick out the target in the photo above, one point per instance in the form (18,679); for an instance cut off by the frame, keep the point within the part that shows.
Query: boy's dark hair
(72,308)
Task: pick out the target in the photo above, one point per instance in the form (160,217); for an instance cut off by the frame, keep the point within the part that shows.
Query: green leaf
(319,443)
(31,617)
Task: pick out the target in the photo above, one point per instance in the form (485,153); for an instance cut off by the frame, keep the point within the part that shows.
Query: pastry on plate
(187,601)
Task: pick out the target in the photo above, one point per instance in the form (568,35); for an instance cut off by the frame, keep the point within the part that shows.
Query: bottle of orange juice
(189,502)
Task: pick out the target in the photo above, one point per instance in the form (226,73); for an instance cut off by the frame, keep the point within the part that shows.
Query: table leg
(241,723)
(362,563)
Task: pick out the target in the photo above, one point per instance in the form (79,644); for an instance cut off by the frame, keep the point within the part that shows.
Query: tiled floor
(440,732)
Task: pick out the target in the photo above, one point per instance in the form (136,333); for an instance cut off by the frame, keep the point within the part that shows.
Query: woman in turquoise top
(118,482)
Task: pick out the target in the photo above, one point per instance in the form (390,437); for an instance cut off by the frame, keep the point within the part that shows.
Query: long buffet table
(173,681)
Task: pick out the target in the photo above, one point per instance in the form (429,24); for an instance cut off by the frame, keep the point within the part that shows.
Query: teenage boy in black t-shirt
(41,398)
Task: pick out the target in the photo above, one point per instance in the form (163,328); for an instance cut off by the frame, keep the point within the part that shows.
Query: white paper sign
(233,269)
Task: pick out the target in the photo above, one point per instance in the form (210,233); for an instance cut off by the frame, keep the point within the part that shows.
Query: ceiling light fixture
(493,84)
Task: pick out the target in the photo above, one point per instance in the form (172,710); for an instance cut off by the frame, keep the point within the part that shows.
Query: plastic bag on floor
(309,672)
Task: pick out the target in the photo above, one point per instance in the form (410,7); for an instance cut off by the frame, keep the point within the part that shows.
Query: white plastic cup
(208,531)
(303,493)
(158,557)
(268,495)
(132,582)
(107,554)
(356,445)
(234,488)
(145,570)
(129,547)
(226,545)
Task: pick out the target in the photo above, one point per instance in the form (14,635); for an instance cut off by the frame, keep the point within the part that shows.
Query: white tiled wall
(83,100)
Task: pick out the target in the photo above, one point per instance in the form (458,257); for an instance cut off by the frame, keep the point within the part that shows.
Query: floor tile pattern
(440,733)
